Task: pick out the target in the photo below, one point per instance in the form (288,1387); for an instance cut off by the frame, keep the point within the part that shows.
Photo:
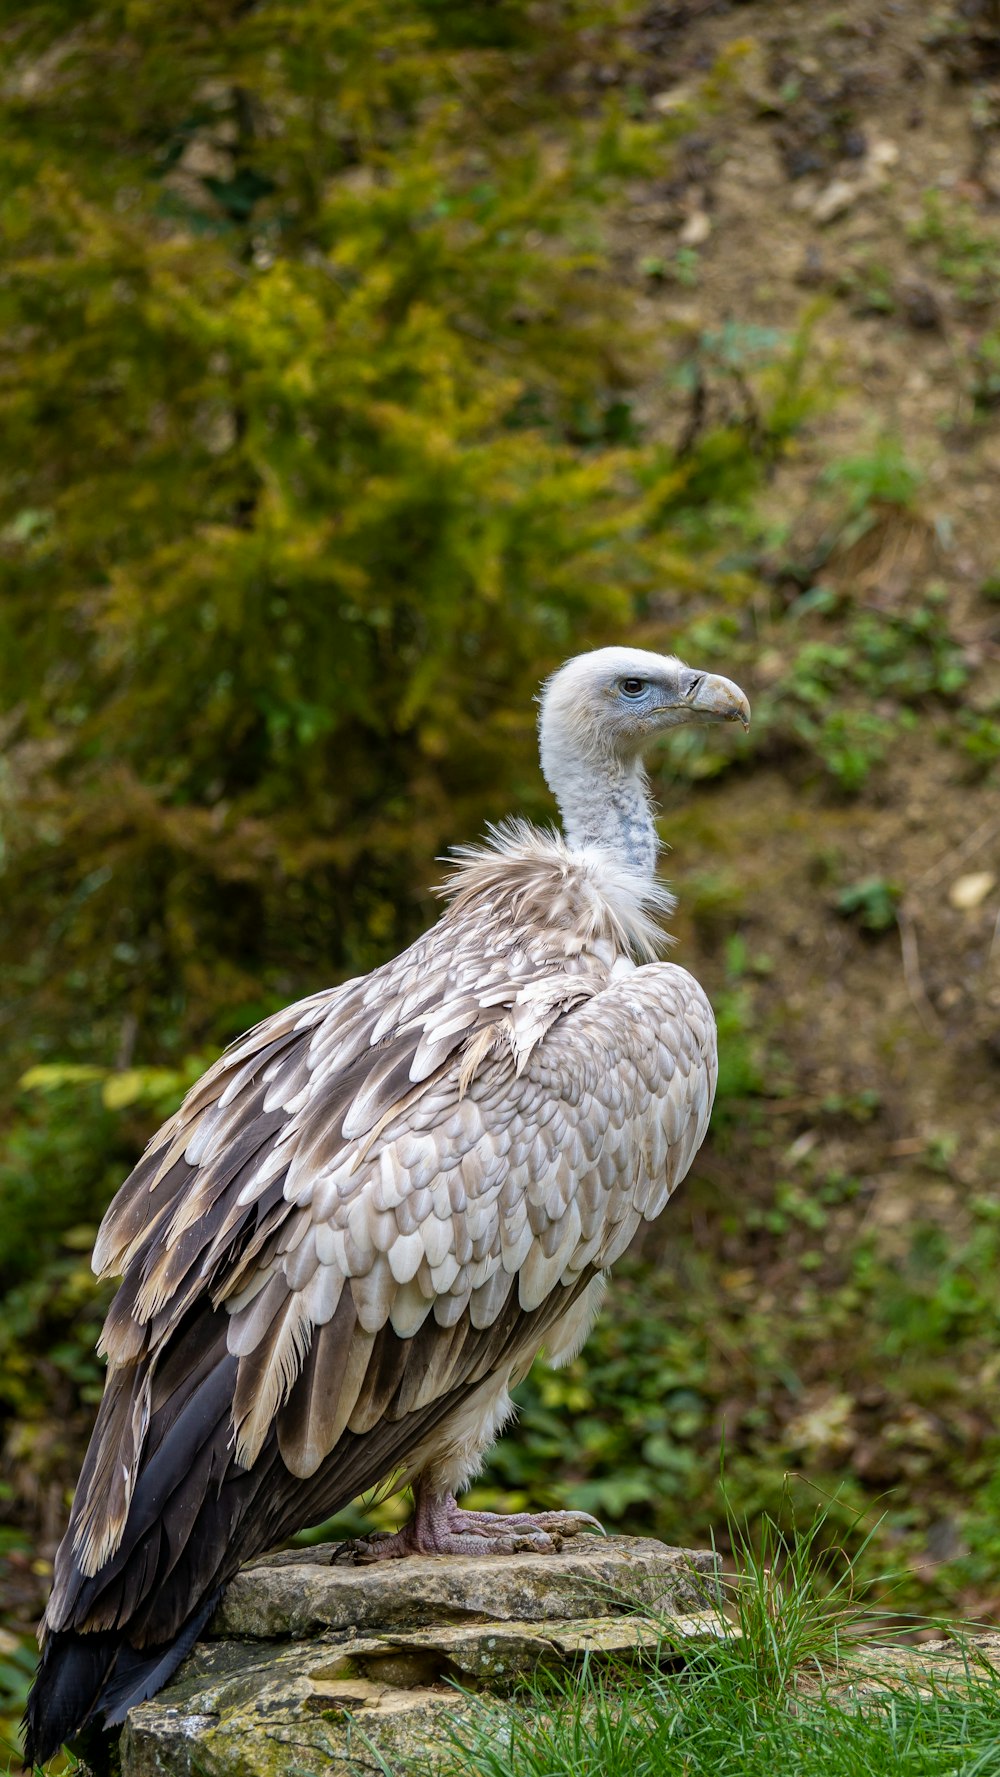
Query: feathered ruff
(532,874)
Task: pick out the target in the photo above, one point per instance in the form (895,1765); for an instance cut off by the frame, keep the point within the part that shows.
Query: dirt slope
(847,163)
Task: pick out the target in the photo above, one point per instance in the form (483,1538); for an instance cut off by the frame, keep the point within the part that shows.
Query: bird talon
(569,1523)
(538,1544)
(360,1551)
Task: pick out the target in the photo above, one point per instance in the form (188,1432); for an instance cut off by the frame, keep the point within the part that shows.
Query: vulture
(373,1212)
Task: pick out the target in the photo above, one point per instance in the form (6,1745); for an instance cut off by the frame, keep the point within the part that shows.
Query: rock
(675,98)
(263,1710)
(882,154)
(836,198)
(840,194)
(696,229)
(336,1661)
(300,1593)
(969,892)
(869,1670)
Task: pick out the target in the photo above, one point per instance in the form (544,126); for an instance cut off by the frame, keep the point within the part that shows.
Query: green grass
(710,1720)
(774,1698)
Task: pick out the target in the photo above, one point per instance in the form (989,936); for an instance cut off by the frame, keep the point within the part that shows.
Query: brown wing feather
(313,1419)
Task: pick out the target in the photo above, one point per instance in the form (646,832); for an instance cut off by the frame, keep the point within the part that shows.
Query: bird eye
(632,687)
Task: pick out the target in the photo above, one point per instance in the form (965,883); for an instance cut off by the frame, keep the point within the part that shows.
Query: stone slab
(869,1669)
(252,1709)
(302,1592)
(327,1667)
(495,1655)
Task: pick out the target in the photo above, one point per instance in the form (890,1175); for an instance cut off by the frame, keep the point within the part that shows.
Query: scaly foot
(441,1527)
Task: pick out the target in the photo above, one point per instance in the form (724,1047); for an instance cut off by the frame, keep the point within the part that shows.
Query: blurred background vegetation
(360,362)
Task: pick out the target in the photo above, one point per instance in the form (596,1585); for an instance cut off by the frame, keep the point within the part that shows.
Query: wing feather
(308,1428)
(268,1372)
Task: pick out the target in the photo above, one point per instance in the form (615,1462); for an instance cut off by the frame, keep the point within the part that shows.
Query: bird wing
(382,1196)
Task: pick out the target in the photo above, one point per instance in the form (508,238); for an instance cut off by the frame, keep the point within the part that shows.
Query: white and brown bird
(372,1213)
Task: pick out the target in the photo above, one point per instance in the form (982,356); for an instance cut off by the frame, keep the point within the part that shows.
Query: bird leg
(439,1526)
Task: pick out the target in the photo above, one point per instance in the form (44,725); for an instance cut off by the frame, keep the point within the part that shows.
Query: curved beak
(719,700)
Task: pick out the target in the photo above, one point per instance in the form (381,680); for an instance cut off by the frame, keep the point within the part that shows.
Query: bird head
(613,702)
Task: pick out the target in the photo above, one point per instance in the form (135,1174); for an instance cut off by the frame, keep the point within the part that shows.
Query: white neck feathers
(603,801)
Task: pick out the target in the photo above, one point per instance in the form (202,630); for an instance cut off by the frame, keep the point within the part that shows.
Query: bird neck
(607,803)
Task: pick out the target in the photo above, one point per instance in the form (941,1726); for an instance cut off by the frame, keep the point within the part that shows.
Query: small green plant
(850,694)
(872,902)
(849,743)
(882,476)
(795,1598)
(749,388)
(867,286)
(984,373)
(961,250)
(978,735)
(686,267)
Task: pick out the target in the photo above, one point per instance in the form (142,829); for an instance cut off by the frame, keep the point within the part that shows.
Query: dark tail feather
(72,1670)
(94,1680)
(140,1672)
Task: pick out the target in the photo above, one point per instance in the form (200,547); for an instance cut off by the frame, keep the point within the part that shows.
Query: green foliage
(74,1132)
(978,735)
(319,451)
(59,1161)
(17,1669)
(984,366)
(883,476)
(868,286)
(850,695)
